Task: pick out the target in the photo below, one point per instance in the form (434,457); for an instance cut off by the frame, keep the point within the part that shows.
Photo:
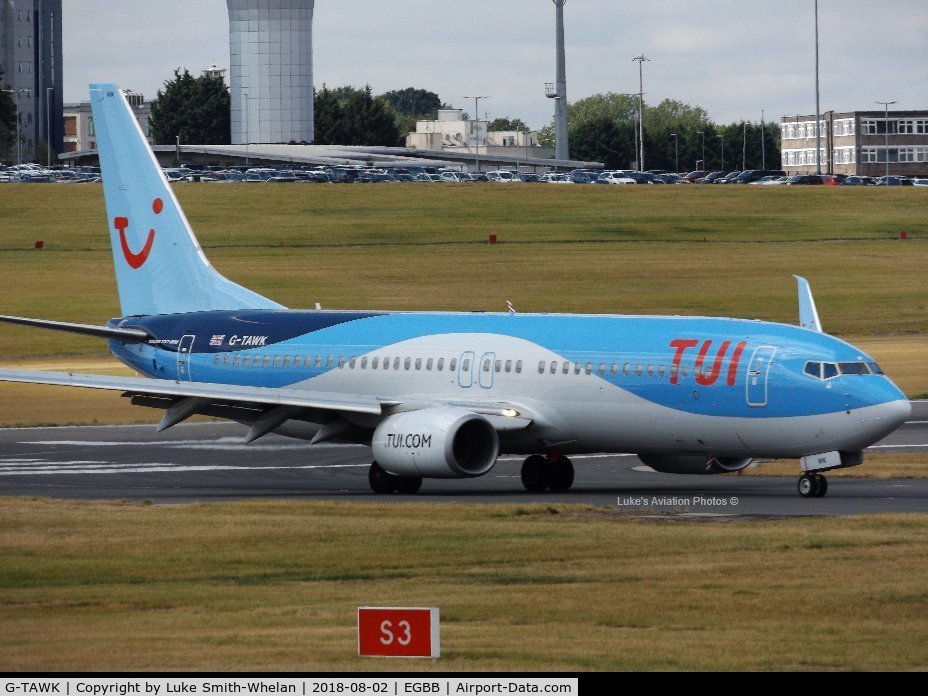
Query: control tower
(271,73)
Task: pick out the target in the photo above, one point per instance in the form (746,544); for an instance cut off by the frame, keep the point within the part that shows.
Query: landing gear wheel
(534,473)
(381,481)
(560,474)
(408,484)
(806,486)
(821,486)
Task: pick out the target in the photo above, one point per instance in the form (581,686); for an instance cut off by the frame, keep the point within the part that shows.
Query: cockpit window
(814,369)
(854,368)
(826,371)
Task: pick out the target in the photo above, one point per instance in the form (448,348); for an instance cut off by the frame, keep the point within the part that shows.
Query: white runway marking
(53,468)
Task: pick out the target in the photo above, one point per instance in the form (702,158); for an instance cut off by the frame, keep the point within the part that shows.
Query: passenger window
(276,361)
(684,371)
(829,370)
(660,370)
(498,366)
(486,365)
(509,366)
(602,369)
(578,368)
(614,370)
(286,361)
(518,367)
(267,360)
(351,361)
(246,361)
(589,368)
(639,370)
(673,372)
(418,364)
(396,363)
(308,361)
(217,359)
(375,363)
(465,364)
(566,368)
(554,366)
(364,363)
(225,359)
(626,369)
(407,363)
(650,370)
(318,362)
(429,363)
(453,365)
(341,361)
(257,361)
(386,363)
(440,365)
(814,369)
(235,361)
(330,362)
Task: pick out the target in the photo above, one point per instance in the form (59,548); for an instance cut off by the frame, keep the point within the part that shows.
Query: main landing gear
(383,481)
(554,471)
(812,486)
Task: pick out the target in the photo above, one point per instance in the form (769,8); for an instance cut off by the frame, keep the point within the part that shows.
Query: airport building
(451,132)
(857,143)
(79,133)
(30,57)
(271,71)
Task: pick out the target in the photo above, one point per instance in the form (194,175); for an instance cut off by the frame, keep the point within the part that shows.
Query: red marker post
(398,632)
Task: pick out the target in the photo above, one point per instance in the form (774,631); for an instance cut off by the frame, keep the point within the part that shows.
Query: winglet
(808,315)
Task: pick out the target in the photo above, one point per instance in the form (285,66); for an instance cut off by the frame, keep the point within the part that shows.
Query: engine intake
(693,464)
(436,443)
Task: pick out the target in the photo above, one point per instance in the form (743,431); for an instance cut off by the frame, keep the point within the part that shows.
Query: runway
(208,462)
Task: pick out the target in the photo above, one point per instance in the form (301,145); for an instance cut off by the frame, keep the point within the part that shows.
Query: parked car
(616,177)
(859,181)
(749,176)
(581,176)
(709,178)
(501,176)
(693,176)
(804,180)
(727,179)
(919,182)
(893,181)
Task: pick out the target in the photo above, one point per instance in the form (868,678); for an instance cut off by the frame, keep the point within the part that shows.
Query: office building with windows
(857,142)
(30,57)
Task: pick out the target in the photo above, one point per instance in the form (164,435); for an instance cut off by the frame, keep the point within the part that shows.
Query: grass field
(275,586)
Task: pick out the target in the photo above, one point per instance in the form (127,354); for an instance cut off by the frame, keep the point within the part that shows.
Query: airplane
(444,394)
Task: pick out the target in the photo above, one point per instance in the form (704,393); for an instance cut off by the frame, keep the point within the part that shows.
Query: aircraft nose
(882,419)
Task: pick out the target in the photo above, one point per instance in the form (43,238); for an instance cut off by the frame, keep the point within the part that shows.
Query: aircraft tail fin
(808,314)
(160,266)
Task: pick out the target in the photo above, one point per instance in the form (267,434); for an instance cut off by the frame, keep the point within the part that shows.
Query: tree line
(602,127)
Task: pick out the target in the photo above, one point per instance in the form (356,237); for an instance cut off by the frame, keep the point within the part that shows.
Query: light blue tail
(160,266)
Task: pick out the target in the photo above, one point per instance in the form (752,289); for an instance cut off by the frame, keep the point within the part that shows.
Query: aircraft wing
(270,407)
(352,403)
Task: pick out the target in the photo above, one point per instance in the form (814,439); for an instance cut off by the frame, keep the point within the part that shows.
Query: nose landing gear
(812,486)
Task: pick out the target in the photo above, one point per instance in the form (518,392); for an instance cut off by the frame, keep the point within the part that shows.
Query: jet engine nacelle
(436,443)
(693,464)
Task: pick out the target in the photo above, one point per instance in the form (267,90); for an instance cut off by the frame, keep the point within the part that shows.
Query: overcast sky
(732,57)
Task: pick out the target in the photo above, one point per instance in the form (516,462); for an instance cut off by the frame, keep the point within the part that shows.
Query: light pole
(19,148)
(744,145)
(247,134)
(703,134)
(763,143)
(818,130)
(477,131)
(48,127)
(886,129)
(676,153)
(721,137)
(640,60)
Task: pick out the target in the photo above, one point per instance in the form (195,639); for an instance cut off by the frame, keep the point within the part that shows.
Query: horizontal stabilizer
(124,335)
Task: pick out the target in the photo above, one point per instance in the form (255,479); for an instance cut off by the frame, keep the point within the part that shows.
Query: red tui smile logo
(121,223)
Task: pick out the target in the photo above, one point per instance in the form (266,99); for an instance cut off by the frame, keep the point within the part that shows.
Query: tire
(408,484)
(381,481)
(806,486)
(822,486)
(560,475)
(535,473)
